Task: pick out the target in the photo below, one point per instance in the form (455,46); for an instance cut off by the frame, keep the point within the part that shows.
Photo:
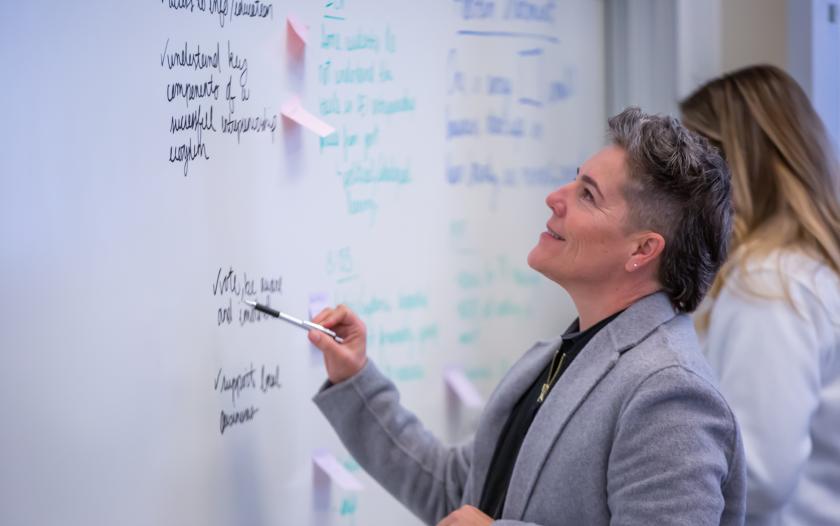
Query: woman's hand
(466,516)
(342,360)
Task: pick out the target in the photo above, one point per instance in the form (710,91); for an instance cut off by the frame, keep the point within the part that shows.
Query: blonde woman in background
(773,320)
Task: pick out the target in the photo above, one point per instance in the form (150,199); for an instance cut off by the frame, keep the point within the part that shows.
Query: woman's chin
(534,258)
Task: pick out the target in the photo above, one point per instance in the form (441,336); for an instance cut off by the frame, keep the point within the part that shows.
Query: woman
(773,323)
(618,421)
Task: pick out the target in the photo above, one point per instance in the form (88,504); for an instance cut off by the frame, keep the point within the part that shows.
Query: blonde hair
(785,175)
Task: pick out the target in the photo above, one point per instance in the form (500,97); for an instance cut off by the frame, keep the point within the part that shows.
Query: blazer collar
(598,358)
(639,320)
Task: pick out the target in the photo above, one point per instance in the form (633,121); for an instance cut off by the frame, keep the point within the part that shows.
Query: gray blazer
(634,432)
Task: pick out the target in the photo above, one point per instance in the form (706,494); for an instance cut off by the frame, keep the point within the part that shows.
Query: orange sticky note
(292,109)
(299,28)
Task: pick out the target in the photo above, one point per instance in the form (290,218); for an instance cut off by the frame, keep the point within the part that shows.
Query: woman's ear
(647,248)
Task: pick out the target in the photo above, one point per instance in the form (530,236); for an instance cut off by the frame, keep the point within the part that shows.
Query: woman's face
(587,242)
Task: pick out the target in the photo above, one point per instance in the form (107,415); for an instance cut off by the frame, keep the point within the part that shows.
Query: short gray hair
(678,185)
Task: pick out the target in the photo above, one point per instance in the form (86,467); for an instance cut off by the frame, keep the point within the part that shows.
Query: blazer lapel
(501,402)
(594,363)
(571,389)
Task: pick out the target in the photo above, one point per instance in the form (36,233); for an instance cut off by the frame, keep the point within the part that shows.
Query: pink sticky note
(327,463)
(293,110)
(462,387)
(299,28)
(318,301)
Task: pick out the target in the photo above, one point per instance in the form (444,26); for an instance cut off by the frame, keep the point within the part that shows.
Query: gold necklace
(551,377)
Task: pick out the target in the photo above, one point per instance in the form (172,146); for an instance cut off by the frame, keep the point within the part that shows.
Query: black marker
(303,324)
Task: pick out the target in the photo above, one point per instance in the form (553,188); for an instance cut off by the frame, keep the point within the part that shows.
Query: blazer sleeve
(676,448)
(391,444)
(766,352)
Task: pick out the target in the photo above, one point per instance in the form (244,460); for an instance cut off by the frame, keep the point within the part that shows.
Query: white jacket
(779,368)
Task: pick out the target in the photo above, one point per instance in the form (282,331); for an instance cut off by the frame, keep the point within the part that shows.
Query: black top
(523,413)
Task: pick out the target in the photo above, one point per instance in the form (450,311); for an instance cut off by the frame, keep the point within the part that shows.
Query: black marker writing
(190,59)
(227,420)
(235,384)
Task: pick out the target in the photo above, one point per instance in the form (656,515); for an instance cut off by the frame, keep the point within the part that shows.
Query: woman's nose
(556,201)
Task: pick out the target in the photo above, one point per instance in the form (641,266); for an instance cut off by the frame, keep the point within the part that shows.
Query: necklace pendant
(543,392)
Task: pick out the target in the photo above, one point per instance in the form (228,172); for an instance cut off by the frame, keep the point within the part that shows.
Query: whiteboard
(150,184)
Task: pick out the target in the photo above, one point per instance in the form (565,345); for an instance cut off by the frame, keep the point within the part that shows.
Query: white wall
(814,56)
(754,31)
(659,51)
(699,43)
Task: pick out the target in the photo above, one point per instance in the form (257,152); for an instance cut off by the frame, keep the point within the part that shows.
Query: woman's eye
(587,195)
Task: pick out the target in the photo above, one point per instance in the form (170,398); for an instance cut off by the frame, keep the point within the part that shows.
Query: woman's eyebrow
(591,182)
